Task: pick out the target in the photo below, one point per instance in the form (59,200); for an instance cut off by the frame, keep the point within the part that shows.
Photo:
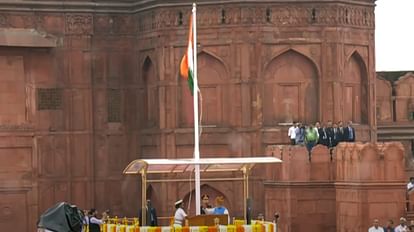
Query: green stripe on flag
(190,81)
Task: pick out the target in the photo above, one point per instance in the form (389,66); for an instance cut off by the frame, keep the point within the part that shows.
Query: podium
(208,220)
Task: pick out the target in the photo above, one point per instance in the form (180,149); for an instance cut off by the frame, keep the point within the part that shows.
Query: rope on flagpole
(190,196)
(201,113)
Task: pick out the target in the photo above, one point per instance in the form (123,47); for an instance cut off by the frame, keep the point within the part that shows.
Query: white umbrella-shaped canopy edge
(173,166)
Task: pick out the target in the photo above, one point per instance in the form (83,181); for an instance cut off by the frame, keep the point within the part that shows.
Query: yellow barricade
(132,225)
(238,222)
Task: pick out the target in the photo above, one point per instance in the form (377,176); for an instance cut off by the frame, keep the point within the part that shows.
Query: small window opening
(223,16)
(180,18)
(268,15)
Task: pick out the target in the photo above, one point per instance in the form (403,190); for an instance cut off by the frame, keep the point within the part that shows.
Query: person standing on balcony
(341,132)
(292,133)
(349,133)
(299,134)
(410,184)
(311,138)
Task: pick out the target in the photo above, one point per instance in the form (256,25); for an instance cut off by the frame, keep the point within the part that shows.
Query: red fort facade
(88,86)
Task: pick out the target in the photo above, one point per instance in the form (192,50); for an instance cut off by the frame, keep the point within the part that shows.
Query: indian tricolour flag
(187,62)
(188,70)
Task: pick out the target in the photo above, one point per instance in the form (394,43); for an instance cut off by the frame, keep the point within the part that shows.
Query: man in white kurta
(376,227)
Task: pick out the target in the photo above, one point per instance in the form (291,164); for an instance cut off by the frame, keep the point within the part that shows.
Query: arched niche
(404,103)
(383,100)
(355,90)
(291,90)
(149,95)
(213,101)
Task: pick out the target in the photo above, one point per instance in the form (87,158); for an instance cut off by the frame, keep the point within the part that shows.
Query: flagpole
(195,98)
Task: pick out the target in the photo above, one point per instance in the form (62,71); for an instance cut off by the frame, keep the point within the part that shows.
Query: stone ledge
(14,37)
(134,6)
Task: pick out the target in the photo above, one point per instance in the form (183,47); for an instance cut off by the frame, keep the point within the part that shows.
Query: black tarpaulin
(62,217)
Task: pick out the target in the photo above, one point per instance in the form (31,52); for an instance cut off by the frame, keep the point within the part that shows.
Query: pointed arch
(148,70)
(149,95)
(212,78)
(291,89)
(290,49)
(216,58)
(355,90)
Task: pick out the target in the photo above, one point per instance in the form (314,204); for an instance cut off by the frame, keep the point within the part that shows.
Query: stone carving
(102,24)
(116,24)
(79,24)
(123,24)
(40,21)
(300,15)
(28,21)
(20,127)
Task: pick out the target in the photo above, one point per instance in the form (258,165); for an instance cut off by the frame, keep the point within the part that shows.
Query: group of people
(329,134)
(91,222)
(389,227)
(180,215)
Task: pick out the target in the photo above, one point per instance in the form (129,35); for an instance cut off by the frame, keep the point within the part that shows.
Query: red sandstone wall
(113,95)
(57,141)
(302,192)
(360,183)
(370,178)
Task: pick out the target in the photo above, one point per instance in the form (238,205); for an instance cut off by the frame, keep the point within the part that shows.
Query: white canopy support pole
(143,198)
(245,191)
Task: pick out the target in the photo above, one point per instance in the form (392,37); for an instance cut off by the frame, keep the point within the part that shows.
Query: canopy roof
(149,166)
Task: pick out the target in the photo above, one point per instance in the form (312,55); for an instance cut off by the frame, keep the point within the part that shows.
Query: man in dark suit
(151,215)
(341,132)
(330,133)
(349,133)
(333,134)
(323,135)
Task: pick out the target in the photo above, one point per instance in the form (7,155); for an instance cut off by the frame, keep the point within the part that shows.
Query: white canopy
(150,166)
(165,166)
